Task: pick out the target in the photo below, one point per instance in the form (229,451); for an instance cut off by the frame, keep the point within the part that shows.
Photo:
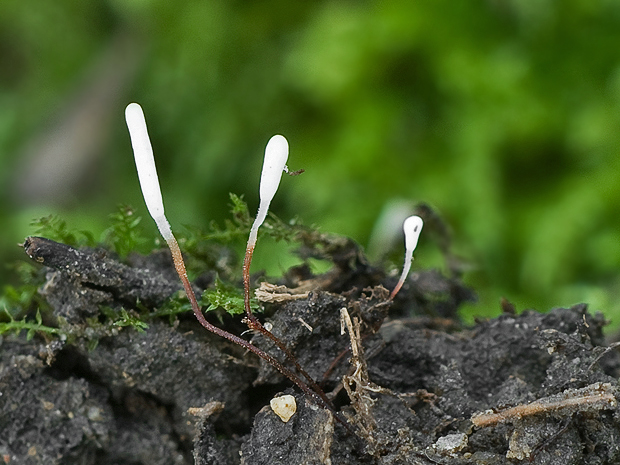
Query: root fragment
(597,396)
(358,385)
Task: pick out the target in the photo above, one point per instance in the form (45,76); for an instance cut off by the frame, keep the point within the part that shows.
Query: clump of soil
(412,385)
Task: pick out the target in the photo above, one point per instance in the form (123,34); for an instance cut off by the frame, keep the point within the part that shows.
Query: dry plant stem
(361,401)
(254,324)
(598,396)
(354,337)
(606,351)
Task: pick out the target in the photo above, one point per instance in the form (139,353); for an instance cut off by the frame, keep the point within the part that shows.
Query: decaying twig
(94,270)
(597,396)
(271,293)
(358,384)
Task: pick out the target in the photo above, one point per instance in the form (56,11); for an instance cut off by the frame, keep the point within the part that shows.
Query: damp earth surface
(419,388)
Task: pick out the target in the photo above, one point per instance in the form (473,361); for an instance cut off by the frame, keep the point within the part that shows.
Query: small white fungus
(145,164)
(412,227)
(276,154)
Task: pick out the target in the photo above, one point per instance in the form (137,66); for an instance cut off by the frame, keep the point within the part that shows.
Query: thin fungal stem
(551,439)
(255,324)
(412,227)
(276,154)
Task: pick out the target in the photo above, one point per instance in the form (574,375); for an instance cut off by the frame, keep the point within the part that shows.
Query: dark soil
(528,388)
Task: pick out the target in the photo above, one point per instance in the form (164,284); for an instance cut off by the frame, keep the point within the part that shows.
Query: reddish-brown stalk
(179,265)
(255,324)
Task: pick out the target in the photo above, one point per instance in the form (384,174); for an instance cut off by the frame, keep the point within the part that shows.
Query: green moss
(226,296)
(124,235)
(31,327)
(56,229)
(25,310)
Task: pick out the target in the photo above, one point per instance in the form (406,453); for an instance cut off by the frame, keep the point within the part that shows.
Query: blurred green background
(501,114)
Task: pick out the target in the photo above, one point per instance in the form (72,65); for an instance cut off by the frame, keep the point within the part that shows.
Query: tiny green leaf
(225,296)
(92,344)
(124,235)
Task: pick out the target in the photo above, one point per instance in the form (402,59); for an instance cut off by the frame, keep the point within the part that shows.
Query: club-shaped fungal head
(276,154)
(145,164)
(412,227)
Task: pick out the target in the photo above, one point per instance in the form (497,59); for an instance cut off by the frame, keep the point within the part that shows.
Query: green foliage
(171,309)
(226,296)
(56,229)
(290,232)
(234,229)
(122,318)
(27,272)
(32,327)
(124,235)
(221,296)
(91,332)
(211,249)
(239,226)
(18,299)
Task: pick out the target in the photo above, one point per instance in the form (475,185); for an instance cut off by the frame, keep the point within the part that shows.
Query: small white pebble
(451,444)
(284,406)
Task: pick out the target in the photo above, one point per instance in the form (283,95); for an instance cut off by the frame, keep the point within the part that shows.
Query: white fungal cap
(276,154)
(145,163)
(412,228)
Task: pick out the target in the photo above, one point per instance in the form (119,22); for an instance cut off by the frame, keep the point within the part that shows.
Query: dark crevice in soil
(69,362)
